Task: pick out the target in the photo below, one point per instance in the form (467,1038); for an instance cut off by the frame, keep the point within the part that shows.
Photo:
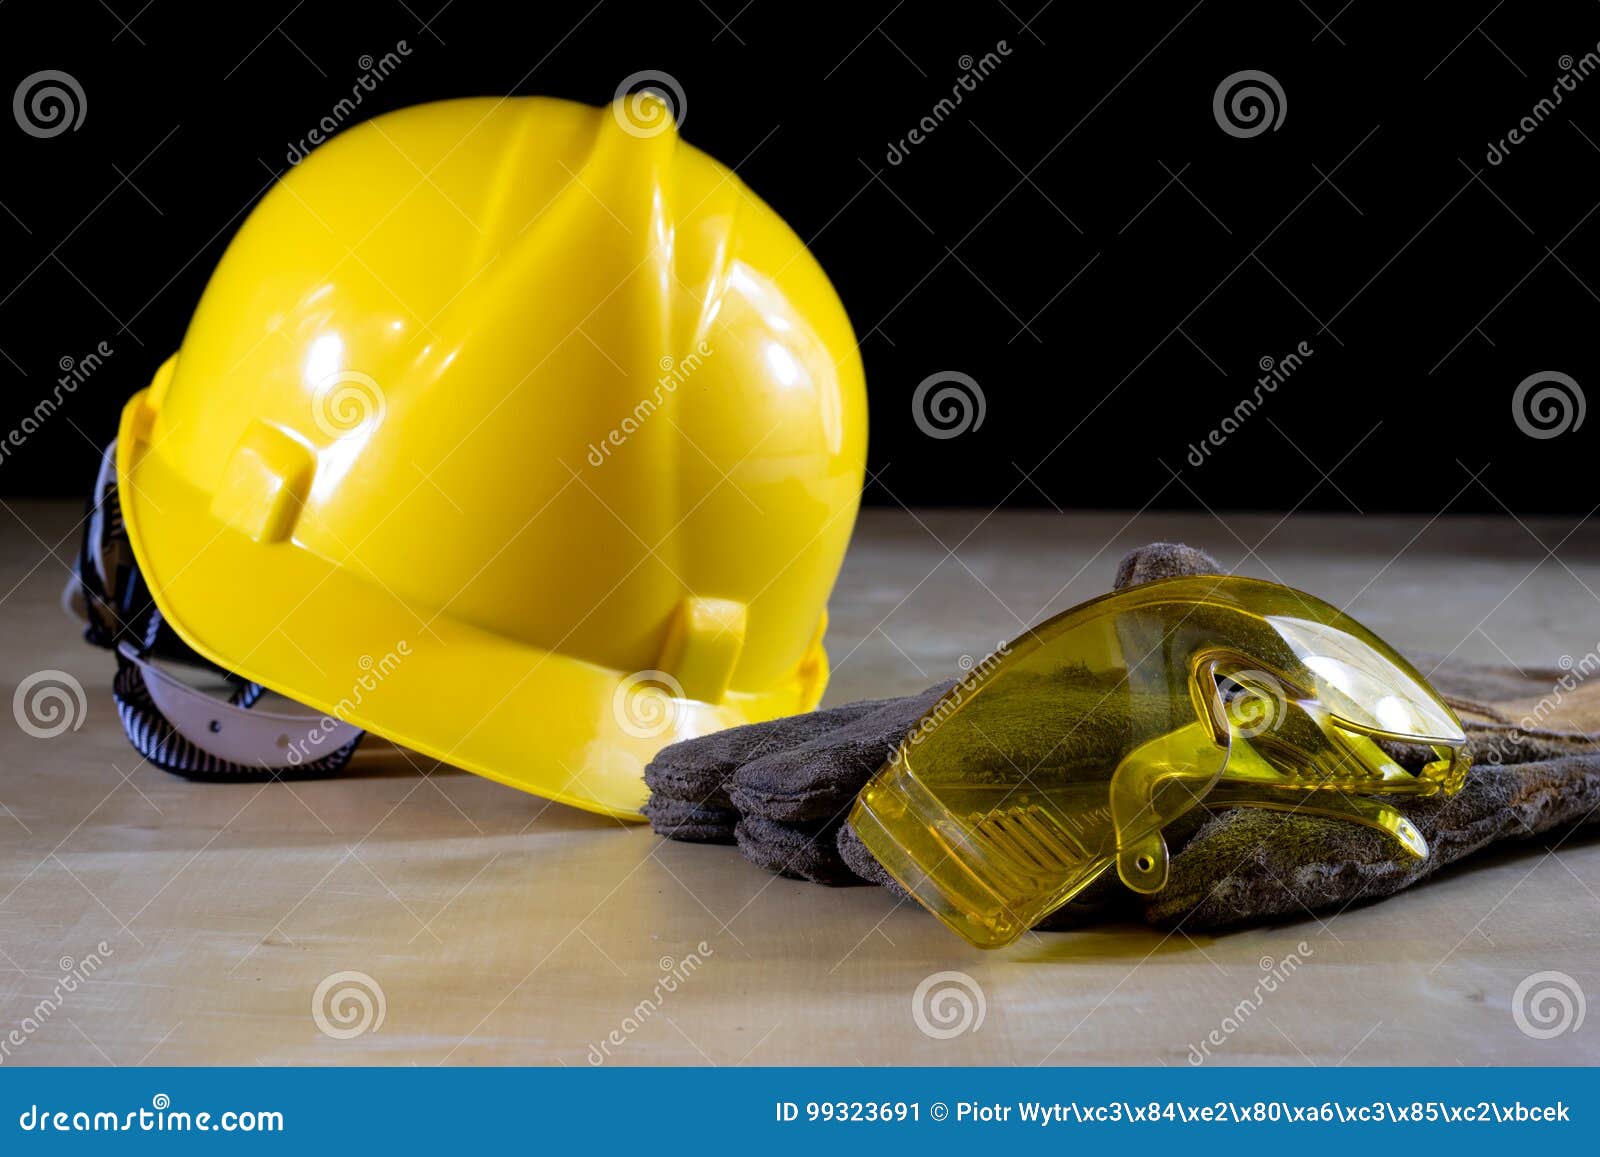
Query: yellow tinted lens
(1030,777)
(1070,750)
(1362,681)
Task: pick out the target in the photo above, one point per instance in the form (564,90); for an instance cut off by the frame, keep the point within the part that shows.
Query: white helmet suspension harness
(177,727)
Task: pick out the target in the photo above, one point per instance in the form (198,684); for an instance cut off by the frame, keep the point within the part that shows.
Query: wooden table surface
(197,921)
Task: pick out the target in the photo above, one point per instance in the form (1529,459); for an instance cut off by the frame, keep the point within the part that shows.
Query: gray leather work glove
(782,792)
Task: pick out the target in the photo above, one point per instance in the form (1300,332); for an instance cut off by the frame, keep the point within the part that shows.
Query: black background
(1080,236)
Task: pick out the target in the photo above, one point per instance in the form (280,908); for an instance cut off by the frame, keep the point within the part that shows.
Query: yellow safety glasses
(1070,749)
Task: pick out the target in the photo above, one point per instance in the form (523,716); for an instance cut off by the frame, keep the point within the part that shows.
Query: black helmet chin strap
(176,726)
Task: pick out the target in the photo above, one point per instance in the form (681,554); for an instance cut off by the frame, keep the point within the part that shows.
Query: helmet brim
(534,719)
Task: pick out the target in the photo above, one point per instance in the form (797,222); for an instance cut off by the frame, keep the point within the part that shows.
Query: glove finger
(1160,560)
(679,819)
(697,770)
(1485,684)
(818,780)
(1495,743)
(1246,865)
(802,852)
(863,863)
(816,770)
(1057,720)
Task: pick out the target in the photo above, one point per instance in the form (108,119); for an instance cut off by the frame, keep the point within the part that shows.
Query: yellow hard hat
(515,431)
